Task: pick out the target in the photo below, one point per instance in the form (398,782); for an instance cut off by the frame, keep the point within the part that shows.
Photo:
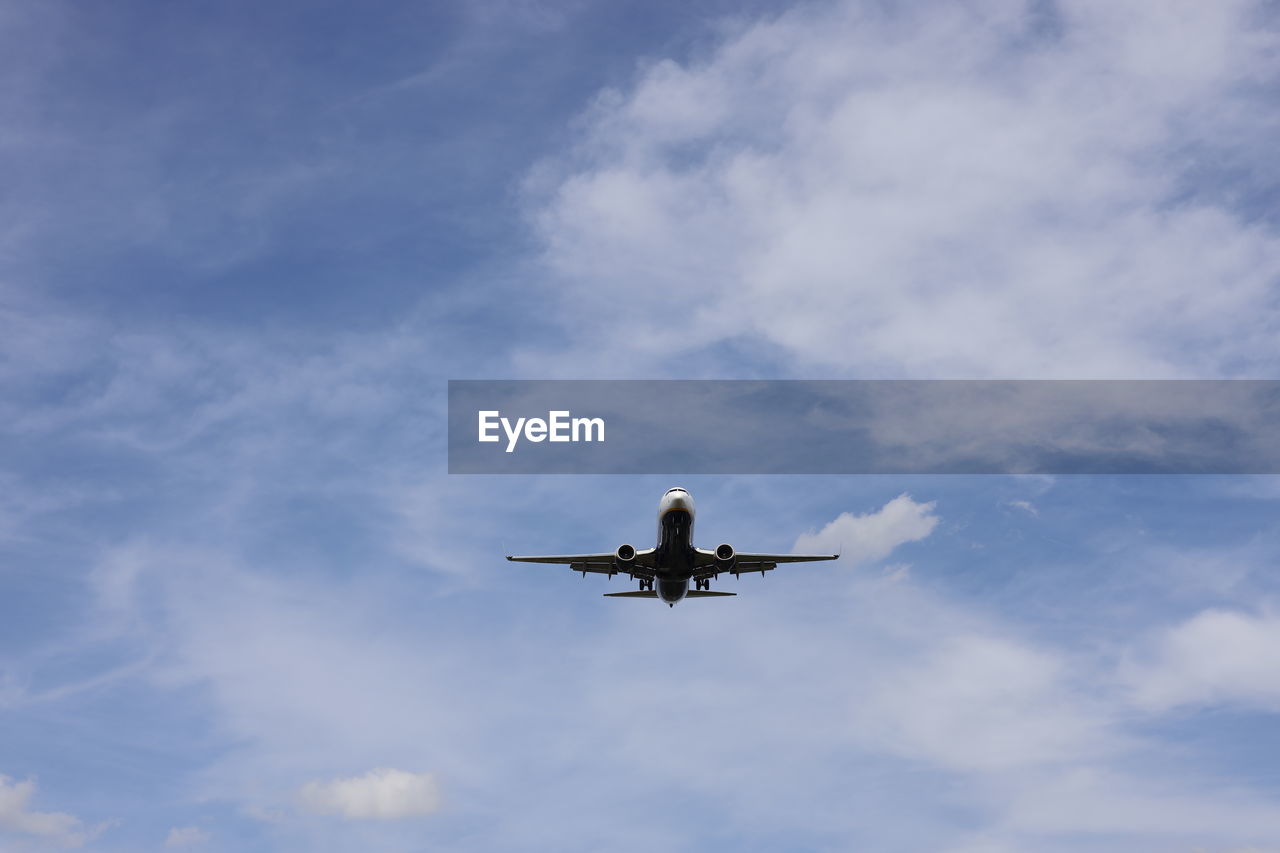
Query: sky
(243,247)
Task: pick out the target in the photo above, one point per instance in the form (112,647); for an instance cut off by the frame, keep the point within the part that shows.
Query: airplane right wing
(605,564)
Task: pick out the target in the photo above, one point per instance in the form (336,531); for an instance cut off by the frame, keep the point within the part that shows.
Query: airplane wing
(604,564)
(743,563)
(693,593)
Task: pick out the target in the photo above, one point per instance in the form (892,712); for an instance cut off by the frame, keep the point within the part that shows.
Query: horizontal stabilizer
(706,593)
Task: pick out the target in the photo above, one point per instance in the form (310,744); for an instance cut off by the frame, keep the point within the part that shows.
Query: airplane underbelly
(672,591)
(675,537)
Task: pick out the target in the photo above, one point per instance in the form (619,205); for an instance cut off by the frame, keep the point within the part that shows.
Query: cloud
(990,189)
(16,816)
(382,794)
(853,687)
(1086,800)
(1026,506)
(1216,657)
(871,536)
(980,703)
(186,836)
(834,188)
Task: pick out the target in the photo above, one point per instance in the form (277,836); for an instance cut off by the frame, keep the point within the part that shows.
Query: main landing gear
(703,583)
(646,584)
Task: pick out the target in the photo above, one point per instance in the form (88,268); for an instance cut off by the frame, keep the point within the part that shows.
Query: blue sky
(243,608)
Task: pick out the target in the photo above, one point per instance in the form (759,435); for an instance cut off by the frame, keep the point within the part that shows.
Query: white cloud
(980,703)
(1216,657)
(944,191)
(58,827)
(1086,800)
(1026,506)
(186,836)
(382,794)
(873,535)
(833,688)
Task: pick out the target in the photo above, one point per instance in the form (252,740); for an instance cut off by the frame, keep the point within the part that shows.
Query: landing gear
(646,584)
(703,583)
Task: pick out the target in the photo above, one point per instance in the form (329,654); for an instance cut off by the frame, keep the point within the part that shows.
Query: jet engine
(625,557)
(725,558)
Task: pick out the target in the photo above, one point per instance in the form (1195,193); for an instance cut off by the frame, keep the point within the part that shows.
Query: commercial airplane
(673,562)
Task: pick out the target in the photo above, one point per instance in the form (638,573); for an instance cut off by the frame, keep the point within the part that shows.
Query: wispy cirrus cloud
(187,836)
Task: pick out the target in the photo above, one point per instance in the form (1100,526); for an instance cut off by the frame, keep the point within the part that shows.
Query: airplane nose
(679,500)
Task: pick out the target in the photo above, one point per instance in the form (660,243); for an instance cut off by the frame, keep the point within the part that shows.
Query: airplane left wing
(605,564)
(707,566)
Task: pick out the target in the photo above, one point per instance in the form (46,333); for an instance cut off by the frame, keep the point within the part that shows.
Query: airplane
(665,570)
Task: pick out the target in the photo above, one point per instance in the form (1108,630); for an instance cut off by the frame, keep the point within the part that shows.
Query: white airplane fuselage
(675,554)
